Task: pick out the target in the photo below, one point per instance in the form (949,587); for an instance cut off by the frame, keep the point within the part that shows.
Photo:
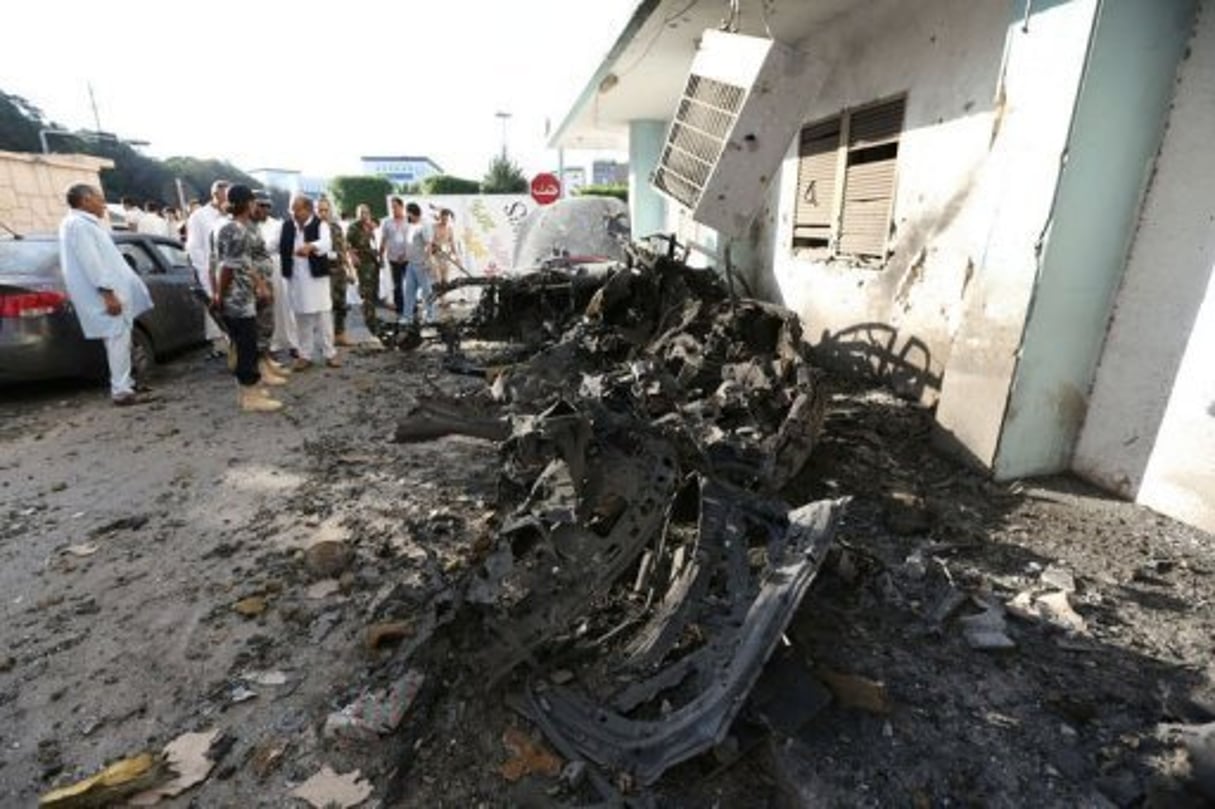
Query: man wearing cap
(241,286)
(199,228)
(304,251)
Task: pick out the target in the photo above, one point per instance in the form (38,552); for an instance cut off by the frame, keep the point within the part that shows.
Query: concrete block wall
(32,187)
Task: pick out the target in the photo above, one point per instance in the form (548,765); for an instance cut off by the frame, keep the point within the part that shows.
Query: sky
(310,86)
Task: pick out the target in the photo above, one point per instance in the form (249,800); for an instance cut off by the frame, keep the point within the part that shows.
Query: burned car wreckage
(640,547)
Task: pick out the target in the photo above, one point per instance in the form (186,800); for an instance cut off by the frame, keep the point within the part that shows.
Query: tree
(19,124)
(619,191)
(447,184)
(351,191)
(504,177)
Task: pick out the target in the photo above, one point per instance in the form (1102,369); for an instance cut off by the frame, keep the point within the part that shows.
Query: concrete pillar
(647,208)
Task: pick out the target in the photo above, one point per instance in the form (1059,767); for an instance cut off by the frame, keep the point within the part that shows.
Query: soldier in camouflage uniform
(363,255)
(263,260)
(339,271)
(239,289)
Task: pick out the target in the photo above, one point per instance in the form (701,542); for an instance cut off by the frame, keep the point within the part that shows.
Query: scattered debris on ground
(646,553)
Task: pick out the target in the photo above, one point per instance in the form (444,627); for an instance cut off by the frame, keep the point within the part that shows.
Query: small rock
(328,559)
(1059,578)
(250,607)
(987,631)
(241,694)
(906,513)
(853,691)
(1054,607)
(323,588)
(561,676)
(266,757)
(380,634)
(573,774)
(915,567)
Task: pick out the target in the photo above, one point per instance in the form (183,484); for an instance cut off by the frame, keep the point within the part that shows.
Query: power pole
(93,103)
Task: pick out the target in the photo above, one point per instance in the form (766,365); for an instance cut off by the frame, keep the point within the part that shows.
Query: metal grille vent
(707,113)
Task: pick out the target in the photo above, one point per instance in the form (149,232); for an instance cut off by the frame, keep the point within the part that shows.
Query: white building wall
(1150,428)
(989,98)
(1180,477)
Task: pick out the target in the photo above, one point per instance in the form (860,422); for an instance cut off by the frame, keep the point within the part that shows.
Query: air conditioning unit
(740,110)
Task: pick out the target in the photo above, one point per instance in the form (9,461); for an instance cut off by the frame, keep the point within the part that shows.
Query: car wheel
(143,357)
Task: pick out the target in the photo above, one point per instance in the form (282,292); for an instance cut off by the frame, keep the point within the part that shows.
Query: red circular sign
(546,188)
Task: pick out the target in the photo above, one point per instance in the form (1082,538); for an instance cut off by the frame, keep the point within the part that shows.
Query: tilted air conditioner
(740,110)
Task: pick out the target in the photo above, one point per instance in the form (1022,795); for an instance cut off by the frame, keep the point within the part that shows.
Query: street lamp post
(504,117)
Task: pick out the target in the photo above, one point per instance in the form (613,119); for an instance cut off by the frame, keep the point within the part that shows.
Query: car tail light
(30,304)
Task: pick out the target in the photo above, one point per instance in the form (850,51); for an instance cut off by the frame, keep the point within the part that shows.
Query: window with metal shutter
(869,177)
(706,114)
(817,168)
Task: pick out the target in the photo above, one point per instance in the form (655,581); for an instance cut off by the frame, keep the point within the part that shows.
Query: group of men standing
(294,273)
(276,287)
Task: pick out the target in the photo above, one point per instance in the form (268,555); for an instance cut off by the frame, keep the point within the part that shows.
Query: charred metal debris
(642,566)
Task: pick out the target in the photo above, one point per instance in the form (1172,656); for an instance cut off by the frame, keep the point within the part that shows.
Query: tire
(143,355)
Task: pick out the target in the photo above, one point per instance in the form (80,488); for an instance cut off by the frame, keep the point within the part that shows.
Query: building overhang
(643,74)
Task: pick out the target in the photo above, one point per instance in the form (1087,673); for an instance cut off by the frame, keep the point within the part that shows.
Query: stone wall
(32,187)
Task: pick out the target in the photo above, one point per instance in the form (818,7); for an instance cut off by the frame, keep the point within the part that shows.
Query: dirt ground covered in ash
(130,537)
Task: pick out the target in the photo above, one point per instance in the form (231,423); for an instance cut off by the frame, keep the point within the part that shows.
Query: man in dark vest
(304,248)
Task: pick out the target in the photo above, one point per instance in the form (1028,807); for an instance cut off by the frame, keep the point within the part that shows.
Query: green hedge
(620,192)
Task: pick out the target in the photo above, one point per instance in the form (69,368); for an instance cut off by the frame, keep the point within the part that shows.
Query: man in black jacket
(304,247)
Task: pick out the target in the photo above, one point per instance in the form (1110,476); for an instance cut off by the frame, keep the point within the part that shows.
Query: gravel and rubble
(655,557)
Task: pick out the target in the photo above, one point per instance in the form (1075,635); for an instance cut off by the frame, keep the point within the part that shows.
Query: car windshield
(24,257)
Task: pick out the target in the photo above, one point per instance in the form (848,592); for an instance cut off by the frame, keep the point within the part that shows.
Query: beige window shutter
(869,178)
(817,170)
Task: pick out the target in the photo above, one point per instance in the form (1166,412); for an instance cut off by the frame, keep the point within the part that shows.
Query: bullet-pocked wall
(988,93)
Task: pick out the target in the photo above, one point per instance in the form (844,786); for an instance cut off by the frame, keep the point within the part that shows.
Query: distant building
(609,172)
(573,178)
(291,181)
(401,168)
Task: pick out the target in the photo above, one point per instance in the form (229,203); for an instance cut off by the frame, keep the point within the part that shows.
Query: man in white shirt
(284,339)
(303,250)
(131,213)
(199,227)
(152,223)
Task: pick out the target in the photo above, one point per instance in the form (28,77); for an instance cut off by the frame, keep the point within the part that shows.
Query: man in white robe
(106,293)
(304,246)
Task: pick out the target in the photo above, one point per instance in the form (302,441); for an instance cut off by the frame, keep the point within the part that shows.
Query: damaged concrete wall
(989,94)
(897,320)
(1011,205)
(1116,131)
(1148,431)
